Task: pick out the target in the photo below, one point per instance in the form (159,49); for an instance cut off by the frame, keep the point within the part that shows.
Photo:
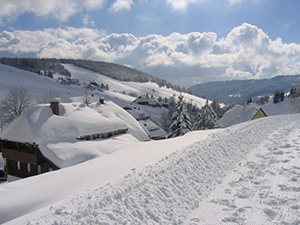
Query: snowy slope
(129,87)
(246,173)
(36,85)
(33,193)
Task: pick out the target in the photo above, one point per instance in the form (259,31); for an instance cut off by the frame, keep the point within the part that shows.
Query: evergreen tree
(278,96)
(180,121)
(206,119)
(295,95)
(216,108)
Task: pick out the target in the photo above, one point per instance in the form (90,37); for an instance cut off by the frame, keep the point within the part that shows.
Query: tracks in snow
(168,191)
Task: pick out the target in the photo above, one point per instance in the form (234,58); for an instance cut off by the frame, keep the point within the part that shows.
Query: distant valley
(238,91)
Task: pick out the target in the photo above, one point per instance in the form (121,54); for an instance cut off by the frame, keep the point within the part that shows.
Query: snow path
(263,189)
(168,191)
(33,193)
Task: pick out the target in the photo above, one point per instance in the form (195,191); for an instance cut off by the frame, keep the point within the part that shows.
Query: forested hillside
(48,67)
(241,90)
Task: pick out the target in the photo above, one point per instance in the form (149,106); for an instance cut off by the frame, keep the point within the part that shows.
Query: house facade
(24,160)
(259,114)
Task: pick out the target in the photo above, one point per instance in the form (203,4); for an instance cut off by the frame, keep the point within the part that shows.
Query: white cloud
(120,5)
(61,10)
(232,2)
(87,21)
(181,5)
(246,52)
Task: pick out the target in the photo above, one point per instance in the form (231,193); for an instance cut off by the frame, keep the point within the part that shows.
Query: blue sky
(184,41)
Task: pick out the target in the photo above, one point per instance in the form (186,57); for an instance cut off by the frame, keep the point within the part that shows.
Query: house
(24,159)
(259,114)
(154,131)
(154,103)
(141,100)
(164,104)
(47,138)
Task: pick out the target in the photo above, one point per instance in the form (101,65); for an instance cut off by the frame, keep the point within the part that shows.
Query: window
(18,165)
(50,169)
(39,169)
(28,168)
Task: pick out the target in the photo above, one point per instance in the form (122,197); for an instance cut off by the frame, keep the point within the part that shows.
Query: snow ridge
(168,191)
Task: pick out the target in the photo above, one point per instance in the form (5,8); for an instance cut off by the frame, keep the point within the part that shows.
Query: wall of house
(24,159)
(259,114)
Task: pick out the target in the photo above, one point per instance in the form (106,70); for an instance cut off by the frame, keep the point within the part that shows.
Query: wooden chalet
(259,114)
(24,159)
(24,151)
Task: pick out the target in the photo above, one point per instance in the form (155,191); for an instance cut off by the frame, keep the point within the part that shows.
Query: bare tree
(46,98)
(14,104)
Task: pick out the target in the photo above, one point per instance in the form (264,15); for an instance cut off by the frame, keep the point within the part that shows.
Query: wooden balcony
(20,156)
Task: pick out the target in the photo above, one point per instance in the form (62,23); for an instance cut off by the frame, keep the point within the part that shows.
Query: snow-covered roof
(137,112)
(154,131)
(57,136)
(239,114)
(141,100)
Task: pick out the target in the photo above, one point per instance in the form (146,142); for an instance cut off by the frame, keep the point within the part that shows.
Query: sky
(182,41)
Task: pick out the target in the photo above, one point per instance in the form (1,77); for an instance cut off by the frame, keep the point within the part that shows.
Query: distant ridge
(49,66)
(238,91)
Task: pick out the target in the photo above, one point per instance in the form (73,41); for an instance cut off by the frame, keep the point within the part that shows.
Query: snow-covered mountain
(245,174)
(241,90)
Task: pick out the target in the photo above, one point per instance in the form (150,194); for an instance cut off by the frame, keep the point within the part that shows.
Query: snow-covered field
(129,87)
(245,174)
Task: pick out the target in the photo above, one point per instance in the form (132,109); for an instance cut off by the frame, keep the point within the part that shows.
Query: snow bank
(167,191)
(33,193)
(57,136)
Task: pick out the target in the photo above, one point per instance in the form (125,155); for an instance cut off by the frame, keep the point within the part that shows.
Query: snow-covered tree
(206,119)
(180,121)
(295,95)
(14,104)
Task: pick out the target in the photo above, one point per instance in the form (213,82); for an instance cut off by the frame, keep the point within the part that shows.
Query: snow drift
(168,191)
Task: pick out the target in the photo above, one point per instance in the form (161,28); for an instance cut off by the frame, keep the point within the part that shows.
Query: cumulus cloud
(181,5)
(61,10)
(246,52)
(120,5)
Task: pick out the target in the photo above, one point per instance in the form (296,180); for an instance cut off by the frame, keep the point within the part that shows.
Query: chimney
(101,100)
(54,105)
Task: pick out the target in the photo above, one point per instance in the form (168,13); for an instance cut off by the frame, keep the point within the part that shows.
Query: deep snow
(57,135)
(244,174)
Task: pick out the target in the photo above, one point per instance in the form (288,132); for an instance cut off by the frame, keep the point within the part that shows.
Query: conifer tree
(206,119)
(180,121)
